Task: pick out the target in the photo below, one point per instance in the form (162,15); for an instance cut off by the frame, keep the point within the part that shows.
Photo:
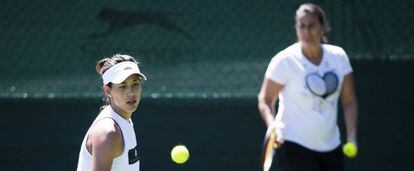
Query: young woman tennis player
(110,143)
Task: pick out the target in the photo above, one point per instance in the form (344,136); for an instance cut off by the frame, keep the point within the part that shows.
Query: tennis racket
(269,146)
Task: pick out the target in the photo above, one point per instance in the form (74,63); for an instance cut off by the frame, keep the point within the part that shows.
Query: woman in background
(308,78)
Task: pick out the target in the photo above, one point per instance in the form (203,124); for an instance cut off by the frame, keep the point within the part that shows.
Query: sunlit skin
(125,97)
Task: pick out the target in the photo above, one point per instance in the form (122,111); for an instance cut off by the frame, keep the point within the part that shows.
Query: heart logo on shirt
(322,86)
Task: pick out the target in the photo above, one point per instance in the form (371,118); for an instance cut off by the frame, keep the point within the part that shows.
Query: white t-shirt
(128,160)
(307,112)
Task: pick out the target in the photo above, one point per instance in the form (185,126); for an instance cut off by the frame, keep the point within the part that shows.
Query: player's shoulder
(288,52)
(333,49)
(106,137)
(106,128)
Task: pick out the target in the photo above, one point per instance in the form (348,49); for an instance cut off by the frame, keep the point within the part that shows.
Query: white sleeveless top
(128,160)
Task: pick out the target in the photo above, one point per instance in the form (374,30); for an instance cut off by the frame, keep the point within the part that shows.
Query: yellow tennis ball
(180,154)
(350,149)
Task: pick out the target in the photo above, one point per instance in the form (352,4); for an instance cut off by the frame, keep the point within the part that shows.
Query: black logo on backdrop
(119,20)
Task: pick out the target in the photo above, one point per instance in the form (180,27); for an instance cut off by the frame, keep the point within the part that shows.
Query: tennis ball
(350,149)
(180,154)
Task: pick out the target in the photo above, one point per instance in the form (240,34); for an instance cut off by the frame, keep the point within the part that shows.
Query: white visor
(121,71)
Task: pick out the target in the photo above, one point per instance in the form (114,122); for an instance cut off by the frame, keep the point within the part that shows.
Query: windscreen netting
(207,49)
